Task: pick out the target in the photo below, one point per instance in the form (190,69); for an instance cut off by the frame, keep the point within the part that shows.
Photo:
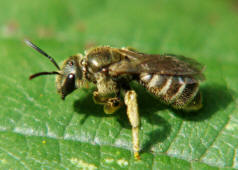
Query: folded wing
(167,64)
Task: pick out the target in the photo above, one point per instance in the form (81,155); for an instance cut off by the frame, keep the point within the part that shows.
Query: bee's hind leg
(133,115)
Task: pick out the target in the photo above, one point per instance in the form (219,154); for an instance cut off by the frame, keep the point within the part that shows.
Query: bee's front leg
(111,104)
(133,115)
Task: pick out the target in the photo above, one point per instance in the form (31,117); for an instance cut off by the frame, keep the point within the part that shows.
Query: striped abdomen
(180,92)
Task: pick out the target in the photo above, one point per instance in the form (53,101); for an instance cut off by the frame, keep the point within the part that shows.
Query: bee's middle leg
(111,104)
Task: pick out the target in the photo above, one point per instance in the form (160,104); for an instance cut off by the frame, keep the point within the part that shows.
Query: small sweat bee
(173,79)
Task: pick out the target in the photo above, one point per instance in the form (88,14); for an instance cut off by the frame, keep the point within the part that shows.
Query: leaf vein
(16,158)
(214,140)
(178,131)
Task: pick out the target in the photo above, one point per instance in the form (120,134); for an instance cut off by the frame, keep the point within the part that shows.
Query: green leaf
(39,131)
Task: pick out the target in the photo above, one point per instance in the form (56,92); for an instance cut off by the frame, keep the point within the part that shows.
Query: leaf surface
(39,131)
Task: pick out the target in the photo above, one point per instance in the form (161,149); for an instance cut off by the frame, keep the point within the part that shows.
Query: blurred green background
(39,131)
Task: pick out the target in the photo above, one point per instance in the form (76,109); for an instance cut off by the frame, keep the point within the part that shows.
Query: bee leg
(98,99)
(111,104)
(133,115)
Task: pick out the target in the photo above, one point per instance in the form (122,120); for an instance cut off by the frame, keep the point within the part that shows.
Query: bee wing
(167,64)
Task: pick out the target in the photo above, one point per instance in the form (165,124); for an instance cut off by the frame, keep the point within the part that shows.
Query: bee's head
(69,77)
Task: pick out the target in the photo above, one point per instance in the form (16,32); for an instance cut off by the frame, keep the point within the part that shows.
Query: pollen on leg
(133,115)
(112,105)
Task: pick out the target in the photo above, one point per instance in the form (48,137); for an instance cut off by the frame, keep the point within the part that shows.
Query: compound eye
(68,86)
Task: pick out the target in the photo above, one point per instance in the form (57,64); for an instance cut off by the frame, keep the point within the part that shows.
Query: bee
(173,79)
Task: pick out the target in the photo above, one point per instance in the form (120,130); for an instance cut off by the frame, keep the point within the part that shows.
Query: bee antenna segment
(30,44)
(43,73)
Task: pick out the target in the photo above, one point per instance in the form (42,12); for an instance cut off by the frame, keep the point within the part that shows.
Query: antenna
(30,44)
(42,73)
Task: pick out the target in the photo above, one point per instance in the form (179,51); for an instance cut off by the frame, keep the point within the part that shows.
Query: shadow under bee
(86,106)
(215,97)
(147,104)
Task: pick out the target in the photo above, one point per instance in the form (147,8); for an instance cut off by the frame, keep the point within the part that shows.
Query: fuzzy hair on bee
(173,79)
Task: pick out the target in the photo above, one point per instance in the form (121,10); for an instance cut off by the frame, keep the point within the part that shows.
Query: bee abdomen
(155,83)
(188,94)
(175,90)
